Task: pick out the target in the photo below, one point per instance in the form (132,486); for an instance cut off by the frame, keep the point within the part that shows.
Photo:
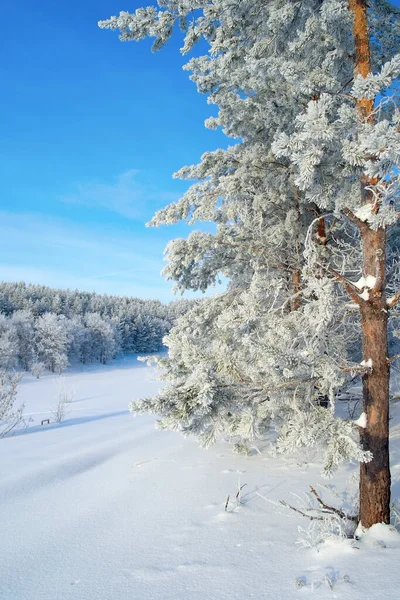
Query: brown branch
(393,359)
(289,383)
(321,232)
(332,509)
(394,300)
(351,289)
(350,215)
(273,388)
(300,512)
(346,84)
(238,493)
(358,369)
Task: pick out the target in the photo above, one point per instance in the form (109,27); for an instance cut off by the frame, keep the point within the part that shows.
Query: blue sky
(91,131)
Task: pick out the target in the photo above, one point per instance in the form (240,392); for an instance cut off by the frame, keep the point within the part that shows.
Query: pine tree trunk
(375,475)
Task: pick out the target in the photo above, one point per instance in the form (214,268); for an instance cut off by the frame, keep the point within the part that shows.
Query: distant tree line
(44,328)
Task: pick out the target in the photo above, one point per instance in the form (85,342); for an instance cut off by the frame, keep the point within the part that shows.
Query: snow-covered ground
(105,507)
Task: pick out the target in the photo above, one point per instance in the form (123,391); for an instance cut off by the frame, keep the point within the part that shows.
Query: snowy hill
(104,507)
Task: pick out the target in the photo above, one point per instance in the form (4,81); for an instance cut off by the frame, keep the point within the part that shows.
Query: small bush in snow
(326,522)
(60,410)
(65,395)
(321,530)
(37,369)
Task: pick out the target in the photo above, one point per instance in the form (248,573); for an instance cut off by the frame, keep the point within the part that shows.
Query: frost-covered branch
(11,418)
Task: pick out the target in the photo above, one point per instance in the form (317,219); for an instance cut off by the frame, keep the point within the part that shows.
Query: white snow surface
(105,507)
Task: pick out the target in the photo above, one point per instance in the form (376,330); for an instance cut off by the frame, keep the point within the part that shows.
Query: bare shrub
(59,411)
(65,396)
(37,369)
(10,418)
(326,522)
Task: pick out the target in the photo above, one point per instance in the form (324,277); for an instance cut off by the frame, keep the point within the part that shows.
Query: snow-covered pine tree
(52,341)
(102,337)
(8,344)
(252,199)
(346,151)
(76,337)
(306,54)
(23,323)
(23,304)
(127,331)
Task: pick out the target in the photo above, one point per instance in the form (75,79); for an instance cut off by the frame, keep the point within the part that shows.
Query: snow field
(104,507)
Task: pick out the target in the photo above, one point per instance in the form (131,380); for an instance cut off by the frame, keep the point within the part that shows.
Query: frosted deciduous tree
(23,323)
(51,342)
(10,417)
(8,344)
(37,369)
(75,330)
(102,338)
(123,314)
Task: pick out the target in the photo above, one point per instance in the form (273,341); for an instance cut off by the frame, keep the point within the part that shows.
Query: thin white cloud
(24,230)
(61,253)
(127,195)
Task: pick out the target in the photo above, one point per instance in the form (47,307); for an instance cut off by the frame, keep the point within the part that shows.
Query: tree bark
(296,281)
(296,275)
(362,58)
(375,475)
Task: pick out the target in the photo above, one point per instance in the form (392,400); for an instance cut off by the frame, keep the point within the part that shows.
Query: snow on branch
(369,87)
